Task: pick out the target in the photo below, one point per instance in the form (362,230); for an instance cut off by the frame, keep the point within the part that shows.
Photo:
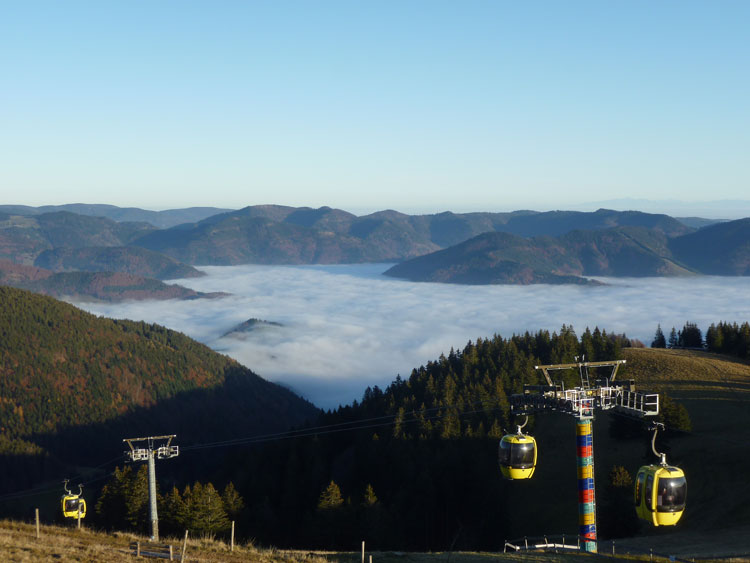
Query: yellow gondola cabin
(70,506)
(660,494)
(660,490)
(73,505)
(517,453)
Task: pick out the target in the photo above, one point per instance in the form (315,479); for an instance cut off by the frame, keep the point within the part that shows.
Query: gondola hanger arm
(662,456)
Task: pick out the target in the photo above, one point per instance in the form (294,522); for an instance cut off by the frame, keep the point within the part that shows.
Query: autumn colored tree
(330,498)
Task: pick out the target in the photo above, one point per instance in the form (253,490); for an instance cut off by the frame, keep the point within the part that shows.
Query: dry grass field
(689,374)
(715,454)
(18,543)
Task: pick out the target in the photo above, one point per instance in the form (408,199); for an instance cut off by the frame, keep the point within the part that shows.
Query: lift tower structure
(151,453)
(581,402)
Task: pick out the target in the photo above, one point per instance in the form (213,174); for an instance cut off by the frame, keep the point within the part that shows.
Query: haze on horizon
(418,106)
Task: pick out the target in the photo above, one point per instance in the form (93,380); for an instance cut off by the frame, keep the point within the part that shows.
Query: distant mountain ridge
(24,238)
(159,219)
(541,247)
(64,244)
(286,235)
(720,249)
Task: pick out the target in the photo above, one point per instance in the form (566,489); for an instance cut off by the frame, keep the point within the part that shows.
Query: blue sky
(410,105)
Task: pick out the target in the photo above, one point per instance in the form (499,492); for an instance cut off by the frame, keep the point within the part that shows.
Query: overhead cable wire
(335,428)
(386,420)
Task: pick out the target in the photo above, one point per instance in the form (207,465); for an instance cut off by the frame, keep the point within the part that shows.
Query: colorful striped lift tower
(586,501)
(581,402)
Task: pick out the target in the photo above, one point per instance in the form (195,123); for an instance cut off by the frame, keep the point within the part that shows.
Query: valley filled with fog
(342,328)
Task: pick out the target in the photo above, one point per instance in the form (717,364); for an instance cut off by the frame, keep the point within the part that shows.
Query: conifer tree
(659,340)
(369,499)
(331,497)
(232,500)
(172,512)
(496,430)
(714,338)
(690,336)
(204,510)
(674,415)
(744,341)
(673,338)
(123,502)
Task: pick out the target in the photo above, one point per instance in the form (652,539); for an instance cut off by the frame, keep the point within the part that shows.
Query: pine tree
(620,477)
(744,341)
(674,415)
(673,338)
(332,520)
(204,510)
(659,340)
(232,500)
(691,336)
(714,339)
(496,431)
(331,497)
(369,499)
(123,502)
(172,512)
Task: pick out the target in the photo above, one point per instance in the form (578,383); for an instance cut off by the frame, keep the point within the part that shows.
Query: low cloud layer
(347,327)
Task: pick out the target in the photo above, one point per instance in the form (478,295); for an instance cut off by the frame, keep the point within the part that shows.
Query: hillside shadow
(244,405)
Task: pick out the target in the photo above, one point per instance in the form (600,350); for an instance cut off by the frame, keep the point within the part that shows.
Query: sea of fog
(347,327)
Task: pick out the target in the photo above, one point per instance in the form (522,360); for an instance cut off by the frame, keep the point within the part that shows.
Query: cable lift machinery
(581,403)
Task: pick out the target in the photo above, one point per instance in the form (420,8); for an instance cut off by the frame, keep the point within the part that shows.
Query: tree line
(123,504)
(721,338)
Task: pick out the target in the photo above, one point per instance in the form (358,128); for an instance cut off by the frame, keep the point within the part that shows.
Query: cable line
(374,422)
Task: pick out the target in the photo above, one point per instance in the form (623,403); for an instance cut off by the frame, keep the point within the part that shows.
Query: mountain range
(515,247)
(159,219)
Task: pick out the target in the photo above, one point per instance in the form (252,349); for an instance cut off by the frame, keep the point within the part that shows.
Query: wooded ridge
(517,247)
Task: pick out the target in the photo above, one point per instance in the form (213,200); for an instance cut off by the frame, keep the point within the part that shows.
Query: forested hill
(505,258)
(97,286)
(421,473)
(480,378)
(414,466)
(66,374)
(66,244)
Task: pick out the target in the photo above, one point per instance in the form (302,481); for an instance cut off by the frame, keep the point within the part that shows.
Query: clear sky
(364,105)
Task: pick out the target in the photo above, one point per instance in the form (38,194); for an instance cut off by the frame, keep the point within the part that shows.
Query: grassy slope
(715,455)
(18,543)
